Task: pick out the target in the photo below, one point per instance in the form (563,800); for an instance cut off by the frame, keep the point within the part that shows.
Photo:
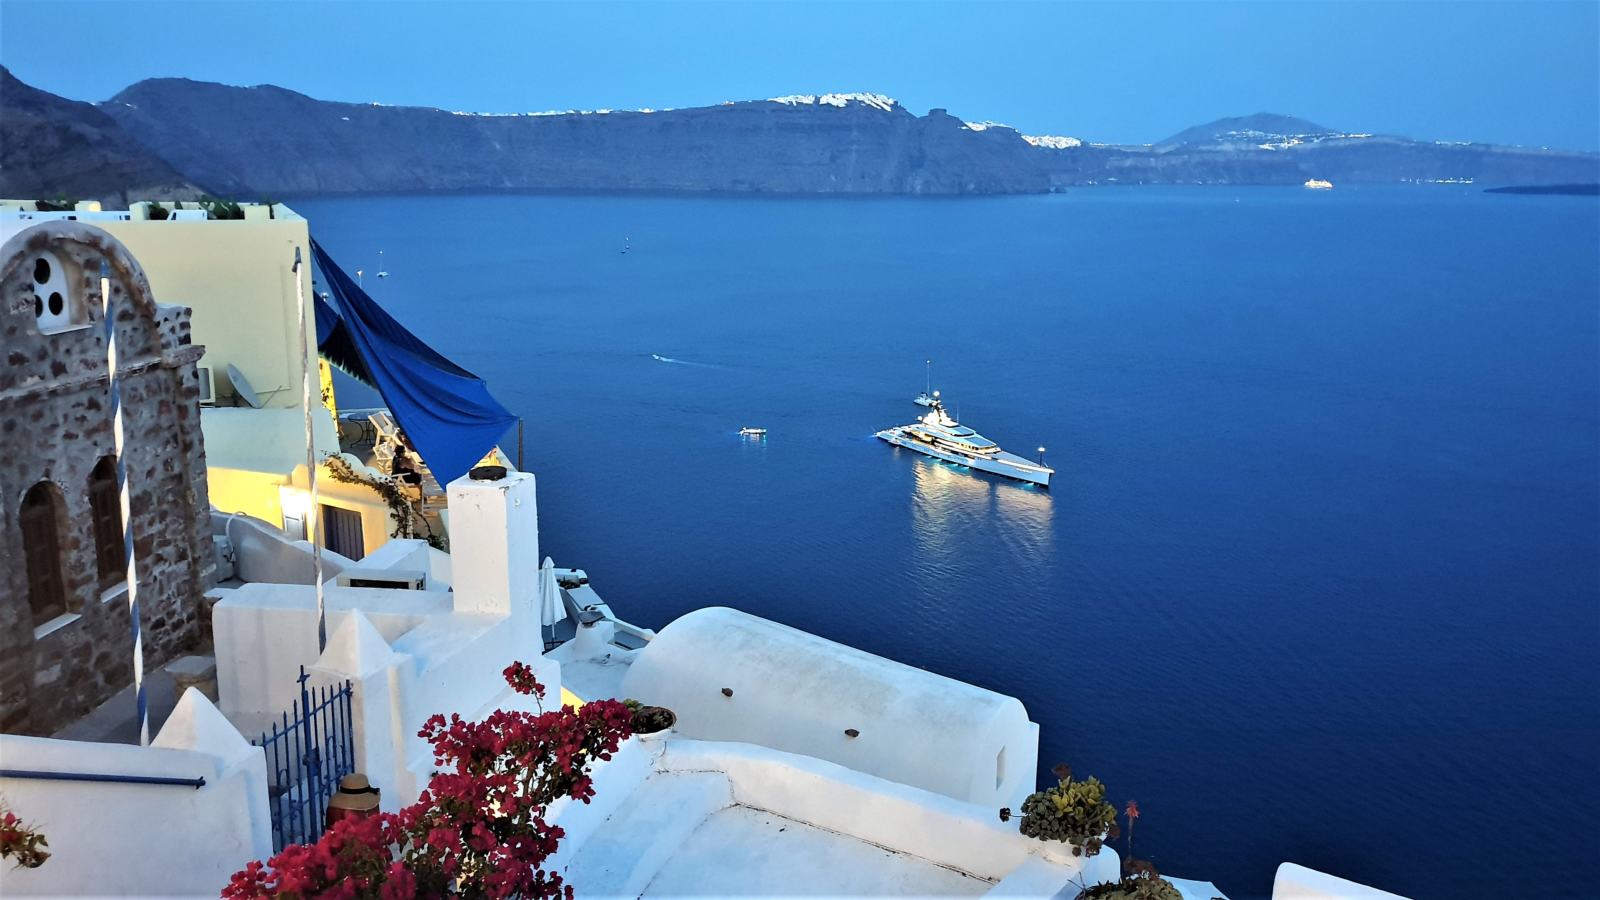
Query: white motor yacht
(938,435)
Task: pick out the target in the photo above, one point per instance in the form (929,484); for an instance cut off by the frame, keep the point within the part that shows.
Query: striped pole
(311,452)
(108,310)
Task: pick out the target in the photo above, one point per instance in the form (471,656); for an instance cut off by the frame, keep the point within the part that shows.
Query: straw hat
(355,793)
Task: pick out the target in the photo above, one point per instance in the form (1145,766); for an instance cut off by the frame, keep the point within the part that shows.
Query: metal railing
(196,783)
(308,751)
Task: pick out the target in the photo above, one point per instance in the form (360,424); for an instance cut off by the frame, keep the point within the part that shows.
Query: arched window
(42,514)
(105,507)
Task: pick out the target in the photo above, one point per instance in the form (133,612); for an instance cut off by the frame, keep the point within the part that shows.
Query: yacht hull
(1006,465)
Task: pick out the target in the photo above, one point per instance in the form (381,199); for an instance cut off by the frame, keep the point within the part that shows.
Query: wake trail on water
(683,362)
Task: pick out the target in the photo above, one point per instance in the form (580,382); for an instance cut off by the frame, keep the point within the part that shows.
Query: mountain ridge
(270,140)
(51,147)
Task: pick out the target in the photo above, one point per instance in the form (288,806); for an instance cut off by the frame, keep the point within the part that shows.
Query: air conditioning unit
(390,579)
(208,388)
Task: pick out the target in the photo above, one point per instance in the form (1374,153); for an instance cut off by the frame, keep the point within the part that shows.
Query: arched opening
(105,508)
(42,513)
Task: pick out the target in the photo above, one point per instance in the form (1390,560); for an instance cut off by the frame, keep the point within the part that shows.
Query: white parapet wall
(146,840)
(1296,882)
(731,676)
(659,798)
(264,633)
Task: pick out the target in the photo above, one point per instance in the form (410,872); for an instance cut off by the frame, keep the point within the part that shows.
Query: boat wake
(682,362)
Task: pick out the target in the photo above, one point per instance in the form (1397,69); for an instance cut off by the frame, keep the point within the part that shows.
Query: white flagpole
(311,453)
(108,311)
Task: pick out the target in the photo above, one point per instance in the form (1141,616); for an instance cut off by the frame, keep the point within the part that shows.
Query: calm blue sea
(1318,579)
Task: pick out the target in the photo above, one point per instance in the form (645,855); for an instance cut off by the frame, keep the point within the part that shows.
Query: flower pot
(653,720)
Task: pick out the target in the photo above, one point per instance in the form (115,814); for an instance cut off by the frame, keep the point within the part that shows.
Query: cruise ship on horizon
(938,435)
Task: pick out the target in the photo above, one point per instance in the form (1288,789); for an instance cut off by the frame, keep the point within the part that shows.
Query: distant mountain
(1239,131)
(268,141)
(52,148)
(1267,148)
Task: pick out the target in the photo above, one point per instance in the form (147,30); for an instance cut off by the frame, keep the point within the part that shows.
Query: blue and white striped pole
(108,310)
(312,515)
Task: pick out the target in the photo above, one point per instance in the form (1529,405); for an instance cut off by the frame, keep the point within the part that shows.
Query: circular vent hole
(41,271)
(56,304)
(38,306)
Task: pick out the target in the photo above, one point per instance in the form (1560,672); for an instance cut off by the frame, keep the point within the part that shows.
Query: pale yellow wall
(376,521)
(237,276)
(246,491)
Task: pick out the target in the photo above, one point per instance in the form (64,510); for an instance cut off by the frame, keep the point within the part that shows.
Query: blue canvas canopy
(445,411)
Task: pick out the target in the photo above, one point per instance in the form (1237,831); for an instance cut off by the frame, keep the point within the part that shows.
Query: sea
(1318,577)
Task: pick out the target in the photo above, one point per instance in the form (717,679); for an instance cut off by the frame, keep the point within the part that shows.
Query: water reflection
(951,507)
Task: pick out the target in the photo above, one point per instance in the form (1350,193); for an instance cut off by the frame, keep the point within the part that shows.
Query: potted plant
(1142,882)
(650,719)
(1075,812)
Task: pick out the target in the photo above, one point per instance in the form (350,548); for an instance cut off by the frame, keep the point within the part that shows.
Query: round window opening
(57,306)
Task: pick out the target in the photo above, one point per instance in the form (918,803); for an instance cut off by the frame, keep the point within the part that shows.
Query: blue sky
(1518,72)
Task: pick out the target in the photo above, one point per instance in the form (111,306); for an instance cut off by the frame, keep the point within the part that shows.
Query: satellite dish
(241,386)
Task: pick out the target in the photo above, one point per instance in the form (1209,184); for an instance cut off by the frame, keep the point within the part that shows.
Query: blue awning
(445,411)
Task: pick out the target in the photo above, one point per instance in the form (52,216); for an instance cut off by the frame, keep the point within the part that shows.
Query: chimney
(494,542)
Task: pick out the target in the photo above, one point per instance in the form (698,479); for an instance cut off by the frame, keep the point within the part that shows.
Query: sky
(1525,72)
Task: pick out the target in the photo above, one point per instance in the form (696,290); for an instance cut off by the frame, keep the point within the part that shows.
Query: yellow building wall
(238,277)
(377,523)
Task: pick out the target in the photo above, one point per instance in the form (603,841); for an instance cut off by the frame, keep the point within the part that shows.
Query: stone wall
(55,426)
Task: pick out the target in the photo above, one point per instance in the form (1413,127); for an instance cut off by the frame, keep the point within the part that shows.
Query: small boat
(382,272)
(929,396)
(1317,184)
(942,437)
(753,432)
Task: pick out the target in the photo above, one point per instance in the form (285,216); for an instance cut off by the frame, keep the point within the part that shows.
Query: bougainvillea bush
(479,828)
(20,843)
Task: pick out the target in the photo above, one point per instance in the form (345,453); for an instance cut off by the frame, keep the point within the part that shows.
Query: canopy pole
(519,445)
(108,311)
(312,525)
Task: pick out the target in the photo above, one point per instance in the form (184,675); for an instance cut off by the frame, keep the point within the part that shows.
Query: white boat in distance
(926,399)
(753,432)
(941,437)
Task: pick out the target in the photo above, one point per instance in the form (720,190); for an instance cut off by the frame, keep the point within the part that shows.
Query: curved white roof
(797,692)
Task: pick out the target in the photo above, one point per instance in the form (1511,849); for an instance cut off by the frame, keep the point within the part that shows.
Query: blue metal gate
(308,751)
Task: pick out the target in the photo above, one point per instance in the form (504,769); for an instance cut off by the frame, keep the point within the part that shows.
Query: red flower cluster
(479,828)
(20,843)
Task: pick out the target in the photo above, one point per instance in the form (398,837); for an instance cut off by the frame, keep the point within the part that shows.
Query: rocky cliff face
(52,148)
(266,141)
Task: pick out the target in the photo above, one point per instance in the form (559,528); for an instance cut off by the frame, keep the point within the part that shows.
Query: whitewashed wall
(797,692)
(138,839)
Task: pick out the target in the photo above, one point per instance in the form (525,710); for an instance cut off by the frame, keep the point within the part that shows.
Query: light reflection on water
(951,507)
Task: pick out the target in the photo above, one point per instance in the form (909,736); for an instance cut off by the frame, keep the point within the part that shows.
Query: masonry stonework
(55,426)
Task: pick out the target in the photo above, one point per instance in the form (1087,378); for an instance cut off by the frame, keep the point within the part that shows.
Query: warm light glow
(296,504)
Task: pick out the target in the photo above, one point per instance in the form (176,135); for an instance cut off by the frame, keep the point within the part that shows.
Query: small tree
(1075,812)
(479,828)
